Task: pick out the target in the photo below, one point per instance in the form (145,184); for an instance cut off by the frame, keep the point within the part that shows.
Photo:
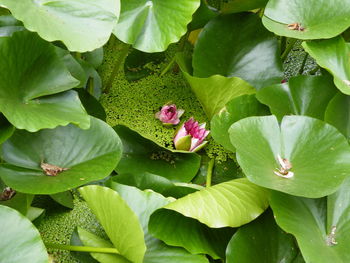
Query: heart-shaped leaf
(141,155)
(236,6)
(213,92)
(261,241)
(333,55)
(303,156)
(118,220)
(235,203)
(82,25)
(151,25)
(310,19)
(21,241)
(178,230)
(238,108)
(338,114)
(31,84)
(321,226)
(237,45)
(301,95)
(144,203)
(56,160)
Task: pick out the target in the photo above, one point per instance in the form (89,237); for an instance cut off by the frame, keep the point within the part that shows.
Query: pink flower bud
(191,135)
(169,114)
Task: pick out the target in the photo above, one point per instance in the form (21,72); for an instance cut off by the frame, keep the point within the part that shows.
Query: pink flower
(169,114)
(190,136)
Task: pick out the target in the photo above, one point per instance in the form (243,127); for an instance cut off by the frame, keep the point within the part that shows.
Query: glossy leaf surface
(317,152)
(118,220)
(236,202)
(32,82)
(141,155)
(23,242)
(151,25)
(82,25)
(89,154)
(237,45)
(318,18)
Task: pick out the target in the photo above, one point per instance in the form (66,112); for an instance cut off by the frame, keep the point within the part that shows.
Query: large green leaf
(333,55)
(118,220)
(236,6)
(231,203)
(321,226)
(261,241)
(89,154)
(141,155)
(6,129)
(9,25)
(178,230)
(144,203)
(316,18)
(237,45)
(318,153)
(20,240)
(82,25)
(238,108)
(151,25)
(301,95)
(213,92)
(338,114)
(32,82)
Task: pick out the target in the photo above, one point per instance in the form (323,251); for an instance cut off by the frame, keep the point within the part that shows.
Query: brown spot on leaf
(295,26)
(7,194)
(52,170)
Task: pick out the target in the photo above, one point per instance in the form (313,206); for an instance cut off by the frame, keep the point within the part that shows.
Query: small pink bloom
(190,136)
(169,114)
(284,81)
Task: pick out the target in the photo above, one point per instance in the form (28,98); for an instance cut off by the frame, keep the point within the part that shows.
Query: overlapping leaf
(237,45)
(215,91)
(151,25)
(235,203)
(141,155)
(235,6)
(32,81)
(301,95)
(317,152)
(321,226)
(87,154)
(333,55)
(316,18)
(82,25)
(23,242)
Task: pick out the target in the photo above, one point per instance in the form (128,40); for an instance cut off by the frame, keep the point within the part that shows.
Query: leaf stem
(288,48)
(109,250)
(210,172)
(124,49)
(301,70)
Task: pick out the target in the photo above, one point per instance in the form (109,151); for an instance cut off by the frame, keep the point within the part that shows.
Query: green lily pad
(118,220)
(68,21)
(237,109)
(333,55)
(236,203)
(321,226)
(141,155)
(64,198)
(316,18)
(301,95)
(202,16)
(236,45)
(144,203)
(261,241)
(151,25)
(9,25)
(213,92)
(23,242)
(317,153)
(31,91)
(88,154)
(338,114)
(178,230)
(236,6)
